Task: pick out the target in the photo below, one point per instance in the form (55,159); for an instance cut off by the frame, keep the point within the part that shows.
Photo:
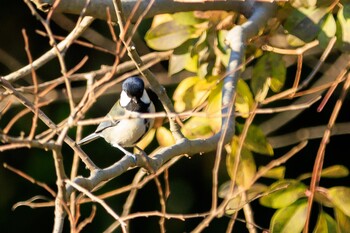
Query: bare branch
(101,202)
(49,55)
(97,8)
(42,116)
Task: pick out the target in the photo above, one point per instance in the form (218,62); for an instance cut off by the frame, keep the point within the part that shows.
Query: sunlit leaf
(237,202)
(177,62)
(256,140)
(343,28)
(221,40)
(197,127)
(322,198)
(275,173)
(290,219)
(325,224)
(223,50)
(181,58)
(160,19)
(146,140)
(246,168)
(303,3)
(305,23)
(335,171)
(343,221)
(329,28)
(184,89)
(168,35)
(244,98)
(214,108)
(201,90)
(340,196)
(234,204)
(294,41)
(283,193)
(186,18)
(164,137)
(224,189)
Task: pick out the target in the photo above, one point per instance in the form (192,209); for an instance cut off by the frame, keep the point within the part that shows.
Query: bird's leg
(146,159)
(125,151)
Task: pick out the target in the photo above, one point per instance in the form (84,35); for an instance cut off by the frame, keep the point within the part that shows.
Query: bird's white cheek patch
(124,99)
(145,97)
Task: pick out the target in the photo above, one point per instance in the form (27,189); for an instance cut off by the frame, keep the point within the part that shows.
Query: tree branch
(42,116)
(97,8)
(52,53)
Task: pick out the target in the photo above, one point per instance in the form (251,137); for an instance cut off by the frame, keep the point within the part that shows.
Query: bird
(129,131)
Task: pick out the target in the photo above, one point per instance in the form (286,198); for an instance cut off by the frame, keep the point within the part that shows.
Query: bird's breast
(126,133)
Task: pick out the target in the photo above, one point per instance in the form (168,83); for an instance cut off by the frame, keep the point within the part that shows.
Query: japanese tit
(129,131)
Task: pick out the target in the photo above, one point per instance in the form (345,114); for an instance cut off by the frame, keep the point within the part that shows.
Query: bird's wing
(88,139)
(116,111)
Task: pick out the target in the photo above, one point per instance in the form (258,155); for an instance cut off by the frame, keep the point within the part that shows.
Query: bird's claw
(132,156)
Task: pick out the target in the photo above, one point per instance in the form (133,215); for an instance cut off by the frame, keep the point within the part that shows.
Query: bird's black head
(134,87)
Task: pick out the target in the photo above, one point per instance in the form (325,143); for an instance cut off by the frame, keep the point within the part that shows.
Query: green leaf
(269,66)
(325,224)
(181,58)
(343,221)
(192,63)
(343,28)
(256,140)
(164,137)
(237,202)
(186,18)
(290,219)
(340,196)
(244,98)
(275,173)
(329,29)
(223,50)
(214,108)
(322,198)
(304,3)
(246,168)
(335,171)
(283,193)
(294,41)
(184,95)
(305,23)
(177,62)
(168,35)
(197,127)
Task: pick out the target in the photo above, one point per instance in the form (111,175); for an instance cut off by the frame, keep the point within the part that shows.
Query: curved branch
(49,55)
(97,8)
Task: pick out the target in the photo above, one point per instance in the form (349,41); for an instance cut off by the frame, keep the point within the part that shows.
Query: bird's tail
(88,139)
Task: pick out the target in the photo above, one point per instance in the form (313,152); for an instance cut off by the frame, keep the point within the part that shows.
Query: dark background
(190,179)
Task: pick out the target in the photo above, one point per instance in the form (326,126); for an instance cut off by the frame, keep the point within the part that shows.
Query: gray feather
(88,139)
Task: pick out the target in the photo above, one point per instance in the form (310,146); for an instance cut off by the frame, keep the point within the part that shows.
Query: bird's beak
(134,99)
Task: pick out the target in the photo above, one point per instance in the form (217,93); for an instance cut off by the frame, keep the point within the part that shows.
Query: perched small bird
(129,131)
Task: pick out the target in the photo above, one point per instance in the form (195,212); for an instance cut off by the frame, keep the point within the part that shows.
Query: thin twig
(88,162)
(35,84)
(316,173)
(100,201)
(30,179)
(49,55)
(60,201)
